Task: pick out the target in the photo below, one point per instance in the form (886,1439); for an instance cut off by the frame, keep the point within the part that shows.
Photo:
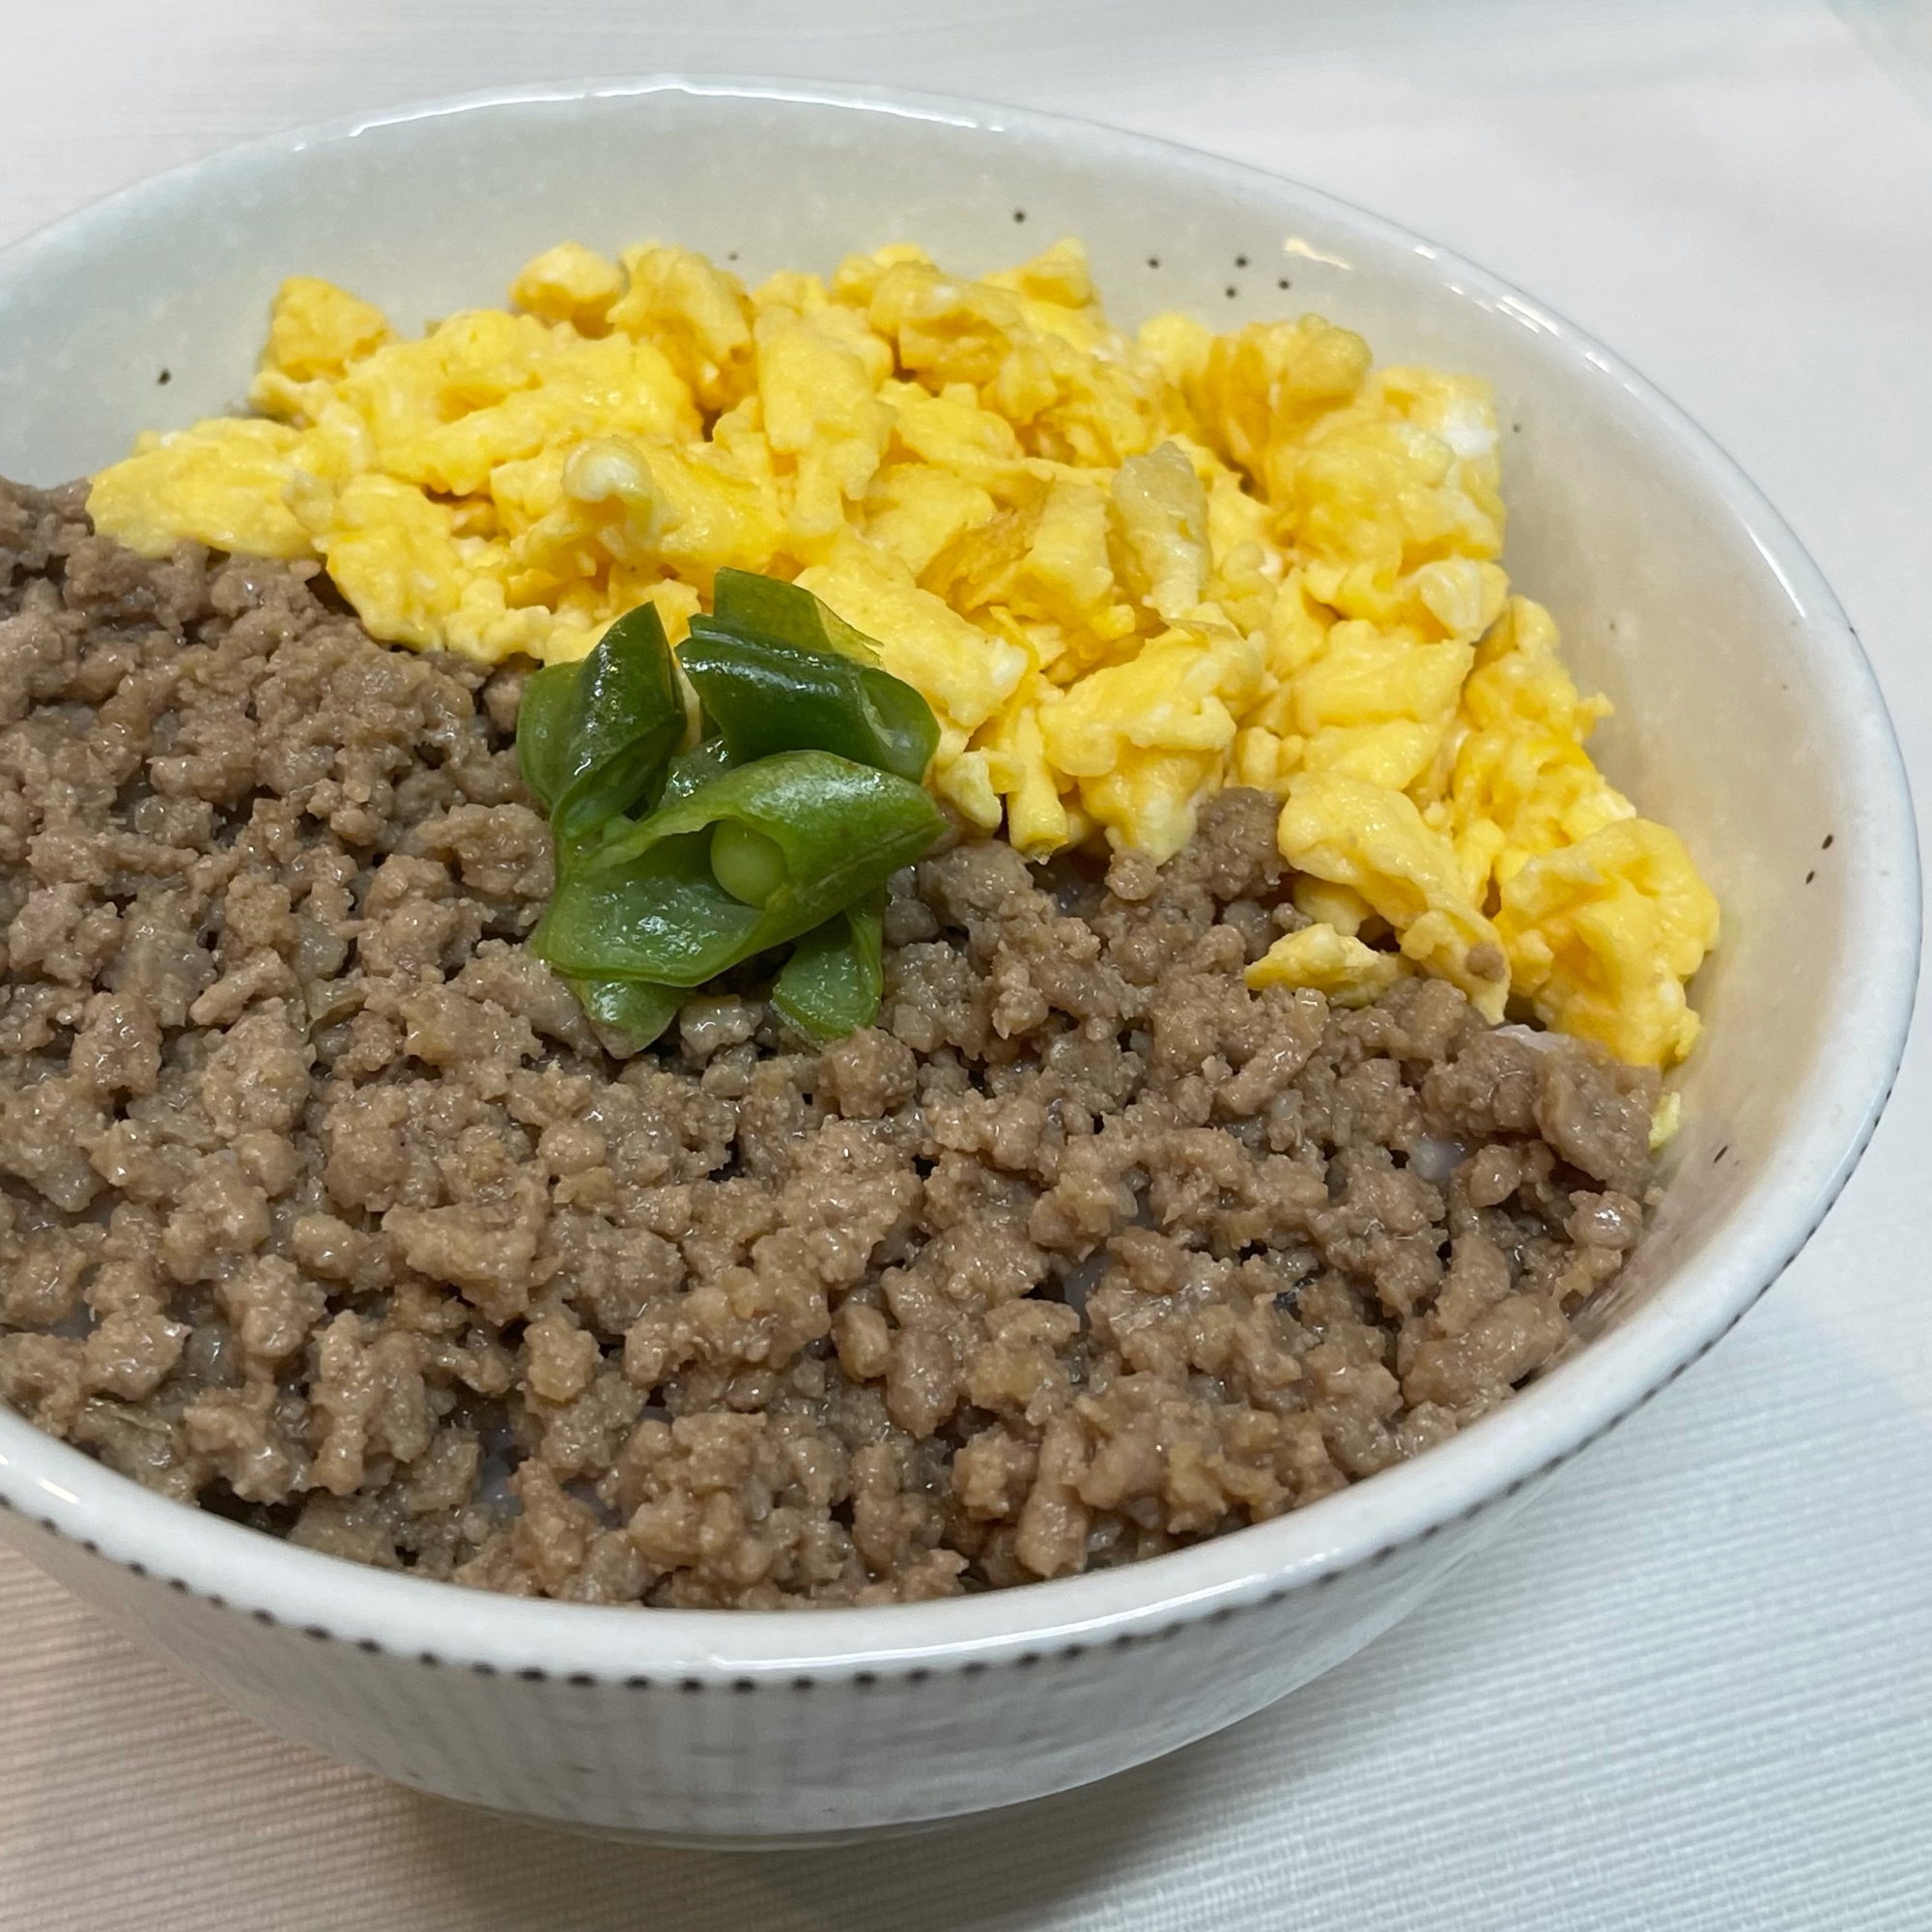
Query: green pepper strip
(709,758)
(832,983)
(592,737)
(634,1008)
(768,696)
(772,608)
(645,905)
(801,710)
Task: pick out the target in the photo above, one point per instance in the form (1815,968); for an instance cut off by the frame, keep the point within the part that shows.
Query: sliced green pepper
(768,696)
(832,983)
(772,608)
(780,826)
(709,758)
(645,904)
(634,1008)
(592,737)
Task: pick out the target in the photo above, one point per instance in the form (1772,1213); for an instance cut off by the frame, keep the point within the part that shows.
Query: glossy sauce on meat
(322,1203)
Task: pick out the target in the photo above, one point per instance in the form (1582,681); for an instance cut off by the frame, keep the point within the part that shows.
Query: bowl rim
(71,1495)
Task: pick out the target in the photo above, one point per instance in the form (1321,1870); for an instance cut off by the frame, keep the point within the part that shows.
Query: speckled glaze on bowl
(1746,717)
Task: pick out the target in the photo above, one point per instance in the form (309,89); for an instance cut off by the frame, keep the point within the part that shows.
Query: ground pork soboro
(322,1203)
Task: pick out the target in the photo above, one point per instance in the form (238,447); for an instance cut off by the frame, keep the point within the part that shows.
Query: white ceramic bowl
(1746,717)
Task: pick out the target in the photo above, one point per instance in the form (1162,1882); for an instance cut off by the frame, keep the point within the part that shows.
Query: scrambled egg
(1123,570)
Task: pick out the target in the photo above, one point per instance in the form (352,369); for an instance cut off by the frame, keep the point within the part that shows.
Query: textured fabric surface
(1690,1689)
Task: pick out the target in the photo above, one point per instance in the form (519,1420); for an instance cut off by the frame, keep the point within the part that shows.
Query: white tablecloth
(1693,1689)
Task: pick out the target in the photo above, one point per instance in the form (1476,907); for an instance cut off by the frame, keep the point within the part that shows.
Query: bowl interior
(1745,717)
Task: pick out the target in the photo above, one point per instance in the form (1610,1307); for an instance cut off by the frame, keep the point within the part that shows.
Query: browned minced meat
(324,1206)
